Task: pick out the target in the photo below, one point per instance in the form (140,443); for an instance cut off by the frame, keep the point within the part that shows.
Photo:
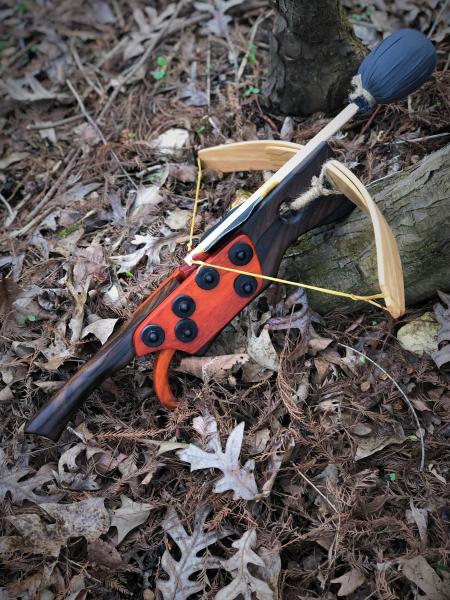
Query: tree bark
(314,54)
(416,204)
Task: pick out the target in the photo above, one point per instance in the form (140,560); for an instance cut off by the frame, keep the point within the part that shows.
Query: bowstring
(370,299)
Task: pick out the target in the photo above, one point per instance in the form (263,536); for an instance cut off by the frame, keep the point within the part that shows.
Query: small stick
(255,27)
(317,490)
(83,71)
(438,18)
(53,124)
(142,60)
(39,212)
(13,59)
(405,397)
(97,129)
(11,213)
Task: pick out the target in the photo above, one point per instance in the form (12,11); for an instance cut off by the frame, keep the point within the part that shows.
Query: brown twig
(404,396)
(153,43)
(92,122)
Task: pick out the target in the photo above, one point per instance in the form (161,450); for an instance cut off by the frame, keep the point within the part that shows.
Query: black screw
(183,306)
(153,336)
(207,278)
(240,254)
(245,286)
(186,330)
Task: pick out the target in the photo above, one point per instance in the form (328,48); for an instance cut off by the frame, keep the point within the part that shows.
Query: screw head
(207,278)
(240,254)
(186,330)
(153,336)
(183,306)
(245,286)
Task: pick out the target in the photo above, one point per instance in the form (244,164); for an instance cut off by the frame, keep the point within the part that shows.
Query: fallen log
(416,204)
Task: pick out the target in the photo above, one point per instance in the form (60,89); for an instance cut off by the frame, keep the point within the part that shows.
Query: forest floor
(321,493)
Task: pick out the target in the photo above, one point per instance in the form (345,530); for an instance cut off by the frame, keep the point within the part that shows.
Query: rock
(420,335)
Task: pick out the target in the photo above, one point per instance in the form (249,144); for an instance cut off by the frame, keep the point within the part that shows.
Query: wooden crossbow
(237,259)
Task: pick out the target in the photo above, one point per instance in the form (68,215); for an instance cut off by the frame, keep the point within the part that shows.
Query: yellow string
(369,299)
(194,210)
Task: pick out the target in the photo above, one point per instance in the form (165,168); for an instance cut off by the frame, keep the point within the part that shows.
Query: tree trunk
(416,204)
(314,55)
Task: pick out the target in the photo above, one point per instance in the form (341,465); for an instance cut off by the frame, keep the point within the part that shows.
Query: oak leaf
(12,481)
(244,583)
(88,519)
(236,478)
(129,516)
(349,582)
(180,586)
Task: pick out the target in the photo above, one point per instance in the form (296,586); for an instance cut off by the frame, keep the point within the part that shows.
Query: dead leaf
(240,480)
(419,516)
(178,219)
(171,141)
(421,574)
(261,350)
(13,482)
(216,368)
(102,329)
(219,22)
(280,452)
(129,516)
(147,198)
(442,313)
(272,568)
(88,519)
(12,158)
(180,584)
(151,248)
(29,89)
(350,582)
(378,440)
(243,581)
(104,554)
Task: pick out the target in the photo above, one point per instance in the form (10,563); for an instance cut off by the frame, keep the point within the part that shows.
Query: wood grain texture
(113,356)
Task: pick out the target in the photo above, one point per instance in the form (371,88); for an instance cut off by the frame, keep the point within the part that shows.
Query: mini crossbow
(239,257)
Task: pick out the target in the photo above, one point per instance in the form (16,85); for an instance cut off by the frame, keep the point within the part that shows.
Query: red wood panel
(214,308)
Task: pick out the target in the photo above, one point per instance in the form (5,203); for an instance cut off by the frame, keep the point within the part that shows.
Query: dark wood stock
(113,356)
(272,233)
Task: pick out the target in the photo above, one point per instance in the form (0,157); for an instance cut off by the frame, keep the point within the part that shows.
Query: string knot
(320,186)
(360,96)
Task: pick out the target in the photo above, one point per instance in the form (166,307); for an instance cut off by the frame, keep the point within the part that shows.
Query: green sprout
(128,274)
(251,53)
(69,230)
(200,128)
(392,476)
(251,89)
(24,320)
(160,73)
(362,360)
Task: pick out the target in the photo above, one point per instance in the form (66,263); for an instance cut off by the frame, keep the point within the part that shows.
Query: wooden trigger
(161,378)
